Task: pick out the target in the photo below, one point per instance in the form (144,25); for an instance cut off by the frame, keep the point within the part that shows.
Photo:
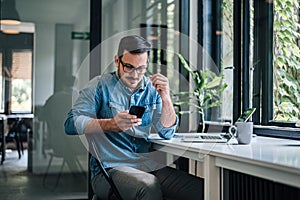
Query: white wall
(44,62)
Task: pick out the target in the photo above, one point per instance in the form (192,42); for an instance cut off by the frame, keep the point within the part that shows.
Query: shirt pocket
(147,117)
(112,110)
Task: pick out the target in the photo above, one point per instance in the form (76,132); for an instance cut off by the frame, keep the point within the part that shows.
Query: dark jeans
(165,183)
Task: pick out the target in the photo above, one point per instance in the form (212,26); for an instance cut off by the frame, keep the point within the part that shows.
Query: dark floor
(16,183)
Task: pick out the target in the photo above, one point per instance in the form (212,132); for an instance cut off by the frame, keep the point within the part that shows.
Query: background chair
(66,148)
(17,133)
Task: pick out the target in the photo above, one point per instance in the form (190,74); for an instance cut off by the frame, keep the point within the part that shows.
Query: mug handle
(232,130)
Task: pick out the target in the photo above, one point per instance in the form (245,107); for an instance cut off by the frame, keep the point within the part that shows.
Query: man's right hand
(124,121)
(120,123)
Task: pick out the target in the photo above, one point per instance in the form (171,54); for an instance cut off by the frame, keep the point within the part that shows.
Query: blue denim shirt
(103,98)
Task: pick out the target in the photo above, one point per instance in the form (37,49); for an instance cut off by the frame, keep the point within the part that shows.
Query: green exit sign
(80,35)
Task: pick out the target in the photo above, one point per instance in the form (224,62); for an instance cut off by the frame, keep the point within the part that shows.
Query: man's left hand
(161,83)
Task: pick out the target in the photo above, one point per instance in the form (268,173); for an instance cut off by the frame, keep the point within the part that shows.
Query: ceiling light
(9,14)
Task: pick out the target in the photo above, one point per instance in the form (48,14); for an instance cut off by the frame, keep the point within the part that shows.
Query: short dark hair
(134,44)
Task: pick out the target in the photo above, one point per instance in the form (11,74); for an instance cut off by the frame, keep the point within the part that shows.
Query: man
(53,113)
(121,138)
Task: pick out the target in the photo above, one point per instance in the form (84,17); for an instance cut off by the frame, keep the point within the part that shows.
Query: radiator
(239,186)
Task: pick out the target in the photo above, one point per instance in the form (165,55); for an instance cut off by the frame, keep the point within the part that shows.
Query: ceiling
(53,11)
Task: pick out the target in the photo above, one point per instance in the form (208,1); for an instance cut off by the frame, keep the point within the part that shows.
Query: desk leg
(211,179)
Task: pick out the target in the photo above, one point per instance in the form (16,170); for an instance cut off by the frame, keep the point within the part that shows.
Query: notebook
(202,137)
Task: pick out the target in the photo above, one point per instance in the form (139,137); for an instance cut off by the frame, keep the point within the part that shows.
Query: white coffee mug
(242,131)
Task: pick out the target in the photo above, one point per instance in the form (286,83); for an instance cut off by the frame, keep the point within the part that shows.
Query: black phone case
(137,110)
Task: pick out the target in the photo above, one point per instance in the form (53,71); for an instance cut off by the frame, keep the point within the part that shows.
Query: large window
(257,46)
(21,81)
(276,63)
(16,73)
(254,44)
(268,33)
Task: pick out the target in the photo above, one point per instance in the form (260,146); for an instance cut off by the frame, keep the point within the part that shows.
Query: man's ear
(117,61)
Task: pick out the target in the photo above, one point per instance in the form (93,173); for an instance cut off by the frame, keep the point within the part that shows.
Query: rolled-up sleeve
(83,110)
(166,132)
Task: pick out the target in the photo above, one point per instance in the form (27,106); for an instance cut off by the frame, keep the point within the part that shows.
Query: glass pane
(21,73)
(286,61)
(62,44)
(54,165)
(227,59)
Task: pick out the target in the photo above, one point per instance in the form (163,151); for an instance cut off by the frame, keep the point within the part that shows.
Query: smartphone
(137,110)
(246,115)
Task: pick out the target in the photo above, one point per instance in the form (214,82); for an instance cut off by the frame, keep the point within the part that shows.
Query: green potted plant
(206,94)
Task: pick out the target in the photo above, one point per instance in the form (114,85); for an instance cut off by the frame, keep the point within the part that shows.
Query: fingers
(160,82)
(126,121)
(159,78)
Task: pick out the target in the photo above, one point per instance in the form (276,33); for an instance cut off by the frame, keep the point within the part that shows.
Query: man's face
(131,68)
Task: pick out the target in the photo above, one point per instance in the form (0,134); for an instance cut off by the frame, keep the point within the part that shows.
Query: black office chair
(114,194)
(17,133)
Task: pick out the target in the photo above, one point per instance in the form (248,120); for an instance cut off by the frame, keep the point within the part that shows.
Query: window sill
(277,131)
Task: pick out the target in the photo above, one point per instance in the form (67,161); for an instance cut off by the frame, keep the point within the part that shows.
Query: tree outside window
(286,61)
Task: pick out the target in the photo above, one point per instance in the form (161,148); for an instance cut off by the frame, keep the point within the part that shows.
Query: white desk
(270,158)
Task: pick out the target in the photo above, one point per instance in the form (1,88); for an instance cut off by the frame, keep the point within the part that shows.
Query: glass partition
(39,75)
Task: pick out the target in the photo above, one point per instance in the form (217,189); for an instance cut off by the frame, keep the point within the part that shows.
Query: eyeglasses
(128,68)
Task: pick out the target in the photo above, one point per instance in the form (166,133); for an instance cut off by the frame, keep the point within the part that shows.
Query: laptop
(213,137)
(202,137)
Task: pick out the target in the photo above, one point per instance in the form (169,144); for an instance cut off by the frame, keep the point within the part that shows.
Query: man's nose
(134,73)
